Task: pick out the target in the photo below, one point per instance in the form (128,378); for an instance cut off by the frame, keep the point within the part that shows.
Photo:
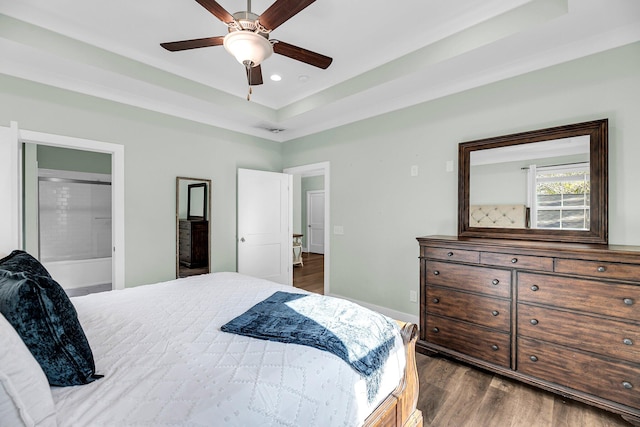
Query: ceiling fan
(248,37)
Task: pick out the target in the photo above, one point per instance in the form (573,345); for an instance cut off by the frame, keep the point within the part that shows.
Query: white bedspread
(166,363)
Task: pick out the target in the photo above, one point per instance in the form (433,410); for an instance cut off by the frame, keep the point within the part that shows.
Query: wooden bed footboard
(399,409)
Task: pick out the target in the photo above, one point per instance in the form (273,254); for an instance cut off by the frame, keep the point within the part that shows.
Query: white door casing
(11,140)
(315,221)
(265,225)
(11,189)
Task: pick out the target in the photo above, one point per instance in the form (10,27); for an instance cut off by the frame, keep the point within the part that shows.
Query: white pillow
(25,395)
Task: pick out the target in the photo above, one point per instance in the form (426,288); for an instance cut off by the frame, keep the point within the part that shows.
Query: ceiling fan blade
(281,11)
(216,10)
(303,55)
(255,77)
(193,44)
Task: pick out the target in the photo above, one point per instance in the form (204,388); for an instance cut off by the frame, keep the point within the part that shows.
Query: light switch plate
(449,166)
(338,229)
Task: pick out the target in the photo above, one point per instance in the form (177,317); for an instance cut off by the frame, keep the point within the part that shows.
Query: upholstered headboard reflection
(502,216)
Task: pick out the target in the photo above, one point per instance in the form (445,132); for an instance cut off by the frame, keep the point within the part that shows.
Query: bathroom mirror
(193,226)
(547,184)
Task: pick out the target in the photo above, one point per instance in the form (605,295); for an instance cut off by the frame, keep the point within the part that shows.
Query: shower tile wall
(75,220)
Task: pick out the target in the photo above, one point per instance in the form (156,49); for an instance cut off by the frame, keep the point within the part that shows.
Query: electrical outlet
(414,170)
(413,296)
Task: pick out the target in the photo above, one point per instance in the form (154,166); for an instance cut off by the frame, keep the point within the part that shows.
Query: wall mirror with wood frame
(547,184)
(193,226)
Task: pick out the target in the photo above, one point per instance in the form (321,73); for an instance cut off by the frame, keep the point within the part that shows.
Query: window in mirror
(560,196)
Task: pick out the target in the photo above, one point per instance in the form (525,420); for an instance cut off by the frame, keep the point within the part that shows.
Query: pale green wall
(73,160)
(383,209)
(157,149)
(30,199)
(297,204)
(309,183)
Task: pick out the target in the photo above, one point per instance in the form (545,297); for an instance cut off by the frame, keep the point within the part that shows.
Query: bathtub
(73,274)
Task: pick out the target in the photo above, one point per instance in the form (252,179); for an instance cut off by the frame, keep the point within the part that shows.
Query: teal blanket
(359,336)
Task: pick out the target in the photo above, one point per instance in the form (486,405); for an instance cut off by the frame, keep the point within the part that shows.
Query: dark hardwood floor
(456,395)
(310,276)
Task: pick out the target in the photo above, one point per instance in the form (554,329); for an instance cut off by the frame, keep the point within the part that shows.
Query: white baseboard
(394,314)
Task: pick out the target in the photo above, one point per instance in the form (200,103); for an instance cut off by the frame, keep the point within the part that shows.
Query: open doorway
(311,225)
(12,227)
(67,215)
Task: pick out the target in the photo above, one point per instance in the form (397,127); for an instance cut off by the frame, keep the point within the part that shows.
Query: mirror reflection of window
(560,196)
(556,196)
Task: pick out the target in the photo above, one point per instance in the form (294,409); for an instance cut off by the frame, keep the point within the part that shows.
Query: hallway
(310,276)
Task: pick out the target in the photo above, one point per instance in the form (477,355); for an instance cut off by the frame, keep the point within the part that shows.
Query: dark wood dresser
(563,317)
(194,243)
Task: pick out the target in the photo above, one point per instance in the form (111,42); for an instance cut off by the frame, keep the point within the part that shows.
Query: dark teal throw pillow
(46,320)
(21,262)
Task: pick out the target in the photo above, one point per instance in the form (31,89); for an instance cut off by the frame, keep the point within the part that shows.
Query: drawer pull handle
(495,347)
(533,358)
(514,260)
(436,273)
(436,330)
(533,321)
(449,254)
(627,385)
(628,301)
(534,288)
(495,312)
(627,341)
(436,300)
(494,282)
(602,269)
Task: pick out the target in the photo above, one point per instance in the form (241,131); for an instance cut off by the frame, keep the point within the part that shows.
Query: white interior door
(315,221)
(265,224)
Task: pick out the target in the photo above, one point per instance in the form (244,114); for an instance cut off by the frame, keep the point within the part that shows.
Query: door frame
(315,169)
(15,224)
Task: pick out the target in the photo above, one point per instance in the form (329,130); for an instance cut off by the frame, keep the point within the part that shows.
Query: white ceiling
(386,55)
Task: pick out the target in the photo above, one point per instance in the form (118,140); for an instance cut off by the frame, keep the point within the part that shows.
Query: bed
(498,216)
(165,361)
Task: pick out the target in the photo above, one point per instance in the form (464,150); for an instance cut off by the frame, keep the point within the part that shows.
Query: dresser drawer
(517,261)
(604,270)
(488,345)
(593,296)
(485,311)
(453,255)
(490,281)
(606,337)
(617,381)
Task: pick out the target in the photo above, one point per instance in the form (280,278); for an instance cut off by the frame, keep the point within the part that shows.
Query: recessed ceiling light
(303,78)
(276,77)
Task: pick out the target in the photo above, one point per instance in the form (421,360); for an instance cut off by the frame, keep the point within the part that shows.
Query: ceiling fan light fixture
(248,47)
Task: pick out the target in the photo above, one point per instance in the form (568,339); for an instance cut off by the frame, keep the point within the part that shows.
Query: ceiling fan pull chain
(248,65)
